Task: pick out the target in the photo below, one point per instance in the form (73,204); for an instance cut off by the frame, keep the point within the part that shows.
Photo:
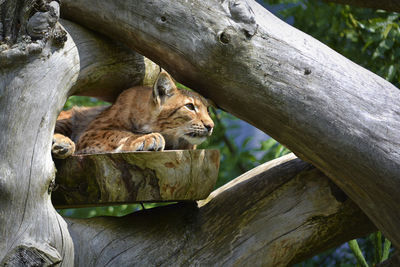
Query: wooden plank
(112,178)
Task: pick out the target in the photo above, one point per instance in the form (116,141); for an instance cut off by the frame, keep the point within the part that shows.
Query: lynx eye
(190,106)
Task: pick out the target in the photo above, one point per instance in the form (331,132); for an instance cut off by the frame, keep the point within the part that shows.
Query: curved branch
(275,215)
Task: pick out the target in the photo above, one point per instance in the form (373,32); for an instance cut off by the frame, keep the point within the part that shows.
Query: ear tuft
(211,103)
(163,88)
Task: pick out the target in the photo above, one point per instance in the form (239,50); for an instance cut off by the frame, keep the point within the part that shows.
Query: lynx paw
(62,147)
(149,142)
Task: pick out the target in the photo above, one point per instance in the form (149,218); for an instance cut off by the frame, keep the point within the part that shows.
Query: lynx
(141,119)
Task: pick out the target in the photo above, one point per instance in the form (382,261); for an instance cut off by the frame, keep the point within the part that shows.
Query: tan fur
(142,118)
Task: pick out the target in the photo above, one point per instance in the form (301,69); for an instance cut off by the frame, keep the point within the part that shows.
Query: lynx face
(184,118)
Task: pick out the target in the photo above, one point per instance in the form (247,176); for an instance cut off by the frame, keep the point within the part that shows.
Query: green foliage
(353,244)
(117,211)
(381,253)
(360,252)
(237,158)
(83,101)
(371,38)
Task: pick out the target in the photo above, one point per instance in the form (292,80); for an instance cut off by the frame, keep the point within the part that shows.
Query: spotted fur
(141,119)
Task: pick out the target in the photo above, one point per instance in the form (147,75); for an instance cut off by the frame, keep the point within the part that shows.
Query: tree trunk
(39,63)
(34,80)
(325,108)
(277,214)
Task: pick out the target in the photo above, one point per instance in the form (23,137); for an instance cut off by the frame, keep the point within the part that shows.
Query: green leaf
(246,141)
(353,20)
(378,245)
(357,253)
(387,30)
(386,250)
(391,72)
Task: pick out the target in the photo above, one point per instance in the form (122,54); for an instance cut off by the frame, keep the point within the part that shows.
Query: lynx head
(183,117)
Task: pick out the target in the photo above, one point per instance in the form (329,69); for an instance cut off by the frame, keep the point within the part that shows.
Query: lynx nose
(209,127)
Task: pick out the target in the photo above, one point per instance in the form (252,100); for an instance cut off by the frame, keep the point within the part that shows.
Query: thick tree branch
(389,5)
(325,108)
(275,215)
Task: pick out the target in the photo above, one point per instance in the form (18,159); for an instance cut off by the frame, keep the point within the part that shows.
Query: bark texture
(292,212)
(89,180)
(35,77)
(325,108)
(389,5)
(39,63)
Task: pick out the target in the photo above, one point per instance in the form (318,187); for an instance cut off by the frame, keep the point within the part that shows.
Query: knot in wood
(52,186)
(224,37)
(59,36)
(34,254)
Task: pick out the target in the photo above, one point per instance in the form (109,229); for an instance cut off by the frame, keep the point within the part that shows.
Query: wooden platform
(116,178)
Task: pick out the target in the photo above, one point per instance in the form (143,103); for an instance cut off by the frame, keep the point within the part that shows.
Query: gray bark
(30,228)
(38,67)
(328,110)
(274,215)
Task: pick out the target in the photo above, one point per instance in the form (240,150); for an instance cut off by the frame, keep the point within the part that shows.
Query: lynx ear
(163,88)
